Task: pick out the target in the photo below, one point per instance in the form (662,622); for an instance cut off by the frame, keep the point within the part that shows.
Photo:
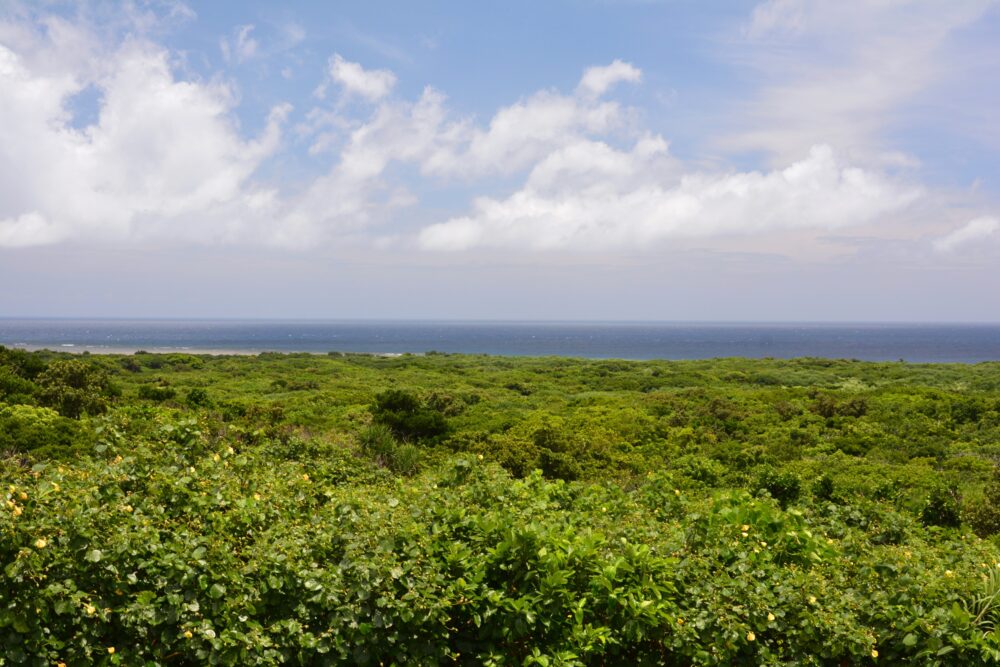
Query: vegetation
(353,509)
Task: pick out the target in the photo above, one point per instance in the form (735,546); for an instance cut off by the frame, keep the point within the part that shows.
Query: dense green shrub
(407,415)
(74,388)
(156,392)
(784,487)
(942,508)
(197,397)
(983,515)
(24,428)
(675,513)
(823,487)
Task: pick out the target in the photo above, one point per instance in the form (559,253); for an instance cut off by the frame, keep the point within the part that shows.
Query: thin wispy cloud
(974,231)
(241,47)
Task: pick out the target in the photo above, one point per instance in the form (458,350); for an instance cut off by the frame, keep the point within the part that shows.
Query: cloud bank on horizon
(113,134)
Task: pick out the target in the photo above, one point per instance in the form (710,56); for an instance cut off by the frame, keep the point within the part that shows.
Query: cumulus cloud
(593,197)
(241,47)
(426,134)
(164,158)
(370,84)
(160,155)
(598,80)
(971,232)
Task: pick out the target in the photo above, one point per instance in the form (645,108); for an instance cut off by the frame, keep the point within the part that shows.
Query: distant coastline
(198,351)
(920,343)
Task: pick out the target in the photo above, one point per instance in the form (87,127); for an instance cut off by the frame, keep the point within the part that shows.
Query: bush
(378,442)
(784,487)
(407,415)
(24,428)
(942,508)
(558,465)
(74,388)
(983,515)
(156,392)
(823,488)
(405,459)
(197,398)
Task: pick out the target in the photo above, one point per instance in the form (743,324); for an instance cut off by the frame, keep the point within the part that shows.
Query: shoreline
(197,351)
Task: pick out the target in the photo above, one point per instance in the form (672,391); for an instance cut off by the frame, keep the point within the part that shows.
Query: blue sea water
(623,340)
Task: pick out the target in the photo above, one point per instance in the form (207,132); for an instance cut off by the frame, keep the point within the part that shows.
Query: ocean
(618,340)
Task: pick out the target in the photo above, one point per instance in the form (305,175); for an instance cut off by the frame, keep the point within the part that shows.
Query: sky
(769,160)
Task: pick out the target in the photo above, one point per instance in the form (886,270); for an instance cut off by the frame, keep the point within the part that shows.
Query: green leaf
(94,556)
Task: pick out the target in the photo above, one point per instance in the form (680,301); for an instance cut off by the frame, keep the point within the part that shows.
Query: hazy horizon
(455,320)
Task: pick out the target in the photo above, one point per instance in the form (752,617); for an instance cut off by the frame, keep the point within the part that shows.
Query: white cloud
(592,197)
(28,229)
(842,73)
(241,48)
(975,230)
(522,133)
(598,80)
(161,155)
(370,84)
(165,159)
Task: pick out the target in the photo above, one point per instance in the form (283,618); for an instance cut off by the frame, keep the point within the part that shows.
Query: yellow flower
(812,599)
(770,617)
(55,486)
(111,650)
(746,527)
(680,621)
(23,495)
(256,496)
(677,492)
(89,608)
(60,664)
(305,477)
(745,534)
(17,511)
(480,457)
(874,653)
(187,633)
(40,543)
(949,574)
(216,457)
(230,451)
(751,636)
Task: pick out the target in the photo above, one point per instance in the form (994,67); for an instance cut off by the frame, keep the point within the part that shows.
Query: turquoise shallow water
(632,340)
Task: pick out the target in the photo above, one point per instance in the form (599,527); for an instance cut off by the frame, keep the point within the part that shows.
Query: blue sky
(673,160)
